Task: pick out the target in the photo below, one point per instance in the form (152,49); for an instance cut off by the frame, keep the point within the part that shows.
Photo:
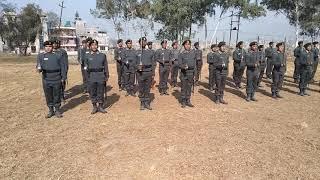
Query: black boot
(217,99)
(132,93)
(183,103)
(142,105)
(211,88)
(188,103)
(50,113)
(305,93)
(58,112)
(147,105)
(301,92)
(101,109)
(94,109)
(166,93)
(248,99)
(253,98)
(278,95)
(222,101)
(274,96)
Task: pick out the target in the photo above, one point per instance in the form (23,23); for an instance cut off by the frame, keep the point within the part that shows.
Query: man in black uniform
(149,44)
(252,63)
(81,58)
(117,56)
(129,61)
(279,60)
(198,52)
(145,72)
(210,61)
(175,65)
(97,66)
(262,63)
(269,51)
(306,61)
(188,67)
(297,51)
(164,58)
(238,64)
(221,66)
(315,50)
(53,70)
(57,48)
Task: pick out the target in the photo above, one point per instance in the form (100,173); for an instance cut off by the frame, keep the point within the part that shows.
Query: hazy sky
(272,27)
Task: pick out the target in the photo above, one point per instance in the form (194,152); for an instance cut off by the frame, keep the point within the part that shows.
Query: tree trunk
(297,21)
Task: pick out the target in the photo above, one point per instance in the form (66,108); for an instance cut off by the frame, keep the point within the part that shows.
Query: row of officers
(137,68)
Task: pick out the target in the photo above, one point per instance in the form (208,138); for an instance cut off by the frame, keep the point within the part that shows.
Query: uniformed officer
(164,58)
(238,64)
(278,63)
(81,58)
(149,44)
(129,62)
(175,64)
(252,64)
(262,63)
(210,61)
(145,71)
(198,52)
(221,65)
(188,66)
(315,50)
(117,56)
(269,51)
(306,68)
(54,72)
(58,49)
(297,51)
(97,66)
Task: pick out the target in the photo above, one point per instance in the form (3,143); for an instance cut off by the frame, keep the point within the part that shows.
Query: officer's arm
(180,62)
(38,66)
(62,67)
(235,56)
(106,68)
(79,56)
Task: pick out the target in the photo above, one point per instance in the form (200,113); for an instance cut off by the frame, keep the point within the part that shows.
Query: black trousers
(174,73)
(97,92)
(315,67)
(129,80)
(212,76)
(277,80)
(120,74)
(186,78)
(52,91)
(84,77)
(252,80)
(198,72)
(269,67)
(305,76)
(221,78)
(144,84)
(164,71)
(238,71)
(261,73)
(296,72)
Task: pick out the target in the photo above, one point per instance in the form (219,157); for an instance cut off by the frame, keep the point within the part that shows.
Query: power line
(62,7)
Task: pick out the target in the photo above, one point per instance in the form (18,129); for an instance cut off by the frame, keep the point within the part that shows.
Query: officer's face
(308,48)
(164,45)
(241,46)
(223,48)
(150,46)
(175,46)
(129,45)
(271,45)
(187,46)
(48,48)
(143,43)
(215,49)
(55,45)
(94,47)
(281,48)
(120,44)
(254,48)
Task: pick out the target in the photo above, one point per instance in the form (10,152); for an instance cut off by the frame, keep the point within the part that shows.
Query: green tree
(53,20)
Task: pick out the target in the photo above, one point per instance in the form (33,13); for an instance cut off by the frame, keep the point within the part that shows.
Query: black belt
(147,66)
(96,70)
(251,68)
(51,71)
(220,68)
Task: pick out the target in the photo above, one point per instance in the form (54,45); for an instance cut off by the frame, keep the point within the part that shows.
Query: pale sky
(272,27)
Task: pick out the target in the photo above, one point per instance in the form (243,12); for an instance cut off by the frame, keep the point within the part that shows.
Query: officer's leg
(218,85)
(127,82)
(166,77)
(197,75)
(48,92)
(274,83)
(148,83)
(223,85)
(63,87)
(296,71)
(281,76)
(174,74)
(210,77)
(301,82)
(241,72)
(249,84)
(190,83)
(100,96)
(183,89)
(269,68)
(57,98)
(254,83)
(161,79)
(119,72)
(260,76)
(93,96)
(315,67)
(139,76)
(131,83)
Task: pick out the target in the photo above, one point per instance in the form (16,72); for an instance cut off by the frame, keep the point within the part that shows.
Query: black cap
(271,43)
(280,44)
(214,46)
(185,41)
(221,44)
(306,45)
(253,43)
(315,43)
(93,41)
(47,43)
(164,41)
(89,39)
(149,43)
(84,41)
(196,44)
(142,39)
(119,41)
(261,46)
(239,43)
(300,43)
(128,41)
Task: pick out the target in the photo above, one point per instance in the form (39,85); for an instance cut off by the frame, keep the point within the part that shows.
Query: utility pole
(234,28)
(231,27)
(62,7)
(238,27)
